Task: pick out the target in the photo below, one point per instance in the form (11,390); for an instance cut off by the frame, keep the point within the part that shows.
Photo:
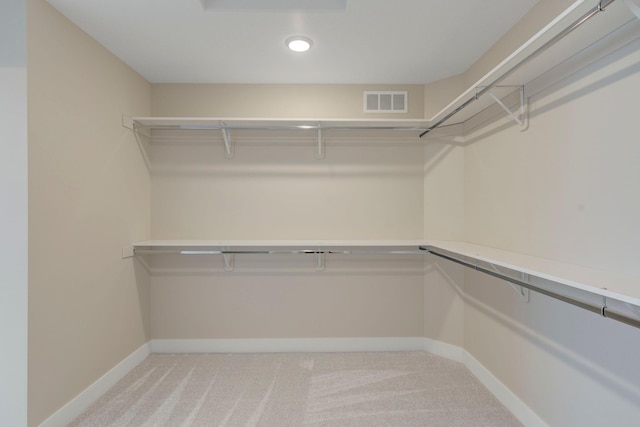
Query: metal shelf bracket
(520,118)
(522,292)
(229,262)
(320,261)
(228,143)
(128,123)
(320,147)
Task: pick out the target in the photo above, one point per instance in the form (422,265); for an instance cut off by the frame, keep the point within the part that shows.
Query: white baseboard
(514,404)
(517,407)
(81,402)
(442,349)
(287,345)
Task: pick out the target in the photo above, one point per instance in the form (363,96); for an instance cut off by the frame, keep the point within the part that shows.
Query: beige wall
(367,187)
(568,174)
(560,189)
(536,19)
(275,189)
(438,95)
(88,198)
(283,296)
(289,101)
(563,189)
(443,214)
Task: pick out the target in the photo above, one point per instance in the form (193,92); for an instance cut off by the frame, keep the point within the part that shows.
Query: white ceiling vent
(385,101)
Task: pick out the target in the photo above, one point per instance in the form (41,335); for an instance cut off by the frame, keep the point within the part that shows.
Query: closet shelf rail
(220,247)
(283,124)
(228,250)
(486,88)
(227,127)
(561,281)
(602,309)
(276,252)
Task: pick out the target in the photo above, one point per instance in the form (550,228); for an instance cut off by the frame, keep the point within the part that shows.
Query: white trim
(286,345)
(514,404)
(81,402)
(442,349)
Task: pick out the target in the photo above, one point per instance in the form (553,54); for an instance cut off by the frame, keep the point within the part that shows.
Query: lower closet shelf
(602,283)
(552,278)
(232,247)
(610,295)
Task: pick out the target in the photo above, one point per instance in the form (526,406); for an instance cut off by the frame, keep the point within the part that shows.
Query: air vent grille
(385,102)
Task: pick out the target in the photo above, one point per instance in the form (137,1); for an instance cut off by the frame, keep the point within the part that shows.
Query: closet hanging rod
(287,127)
(602,310)
(600,7)
(274,252)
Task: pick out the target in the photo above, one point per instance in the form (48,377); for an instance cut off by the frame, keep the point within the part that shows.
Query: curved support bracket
(320,261)
(128,123)
(522,292)
(520,119)
(320,147)
(228,143)
(229,262)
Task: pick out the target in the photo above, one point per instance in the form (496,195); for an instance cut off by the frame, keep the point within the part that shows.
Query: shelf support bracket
(522,292)
(320,145)
(518,120)
(228,143)
(128,123)
(320,261)
(229,262)
(128,252)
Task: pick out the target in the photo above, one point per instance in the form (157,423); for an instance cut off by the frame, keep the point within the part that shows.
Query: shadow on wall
(256,266)
(494,114)
(143,287)
(592,87)
(441,268)
(435,151)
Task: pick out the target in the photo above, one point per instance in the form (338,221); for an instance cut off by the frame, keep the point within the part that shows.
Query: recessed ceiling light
(299,43)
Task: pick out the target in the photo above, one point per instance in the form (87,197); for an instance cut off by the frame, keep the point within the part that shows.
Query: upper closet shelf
(583,33)
(226,128)
(228,249)
(230,123)
(231,247)
(610,295)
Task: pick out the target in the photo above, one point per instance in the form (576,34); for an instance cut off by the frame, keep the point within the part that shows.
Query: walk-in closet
(276,238)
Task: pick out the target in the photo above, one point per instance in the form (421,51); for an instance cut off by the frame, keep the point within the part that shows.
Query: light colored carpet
(298,389)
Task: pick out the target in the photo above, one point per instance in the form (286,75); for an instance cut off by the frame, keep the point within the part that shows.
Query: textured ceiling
(243,41)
